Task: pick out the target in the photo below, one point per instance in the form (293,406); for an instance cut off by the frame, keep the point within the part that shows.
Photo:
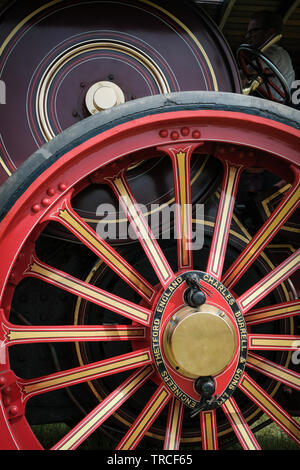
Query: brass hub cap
(199,342)
(193,342)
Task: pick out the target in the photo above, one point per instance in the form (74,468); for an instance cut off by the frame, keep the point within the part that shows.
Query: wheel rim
(180,135)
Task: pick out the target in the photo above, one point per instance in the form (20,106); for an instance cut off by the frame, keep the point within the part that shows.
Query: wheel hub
(193,342)
(199,342)
(103,95)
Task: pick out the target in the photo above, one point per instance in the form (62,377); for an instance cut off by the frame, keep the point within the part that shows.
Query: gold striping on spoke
(270,407)
(104,251)
(269,282)
(89,292)
(5,167)
(271,226)
(145,419)
(274,312)
(223,220)
(181,170)
(84,373)
(174,425)
(271,369)
(209,430)
(142,229)
(277,342)
(16,334)
(239,425)
(110,404)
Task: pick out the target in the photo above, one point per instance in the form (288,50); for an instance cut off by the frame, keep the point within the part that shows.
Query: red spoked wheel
(180,338)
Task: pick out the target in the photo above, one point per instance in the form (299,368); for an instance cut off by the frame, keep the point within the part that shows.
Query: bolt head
(198,298)
(13,410)
(205,386)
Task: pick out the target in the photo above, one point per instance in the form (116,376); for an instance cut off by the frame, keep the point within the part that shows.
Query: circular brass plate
(199,342)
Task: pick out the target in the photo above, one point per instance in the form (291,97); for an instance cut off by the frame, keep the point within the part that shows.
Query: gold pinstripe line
(274,370)
(19,335)
(270,281)
(209,431)
(207,421)
(272,342)
(67,378)
(152,211)
(268,212)
(270,407)
(265,314)
(119,184)
(228,190)
(265,234)
(24,21)
(175,423)
(4,166)
(35,268)
(103,411)
(162,396)
(240,425)
(181,158)
(70,220)
(216,88)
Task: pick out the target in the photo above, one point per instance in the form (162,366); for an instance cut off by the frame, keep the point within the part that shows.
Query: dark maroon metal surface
(176,38)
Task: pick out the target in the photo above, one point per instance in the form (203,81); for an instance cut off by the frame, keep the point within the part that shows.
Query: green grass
(50,434)
(271,437)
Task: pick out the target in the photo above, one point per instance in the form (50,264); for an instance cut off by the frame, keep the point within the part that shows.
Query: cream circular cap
(103,95)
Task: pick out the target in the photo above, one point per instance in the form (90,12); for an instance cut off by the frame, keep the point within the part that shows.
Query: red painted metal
(245,137)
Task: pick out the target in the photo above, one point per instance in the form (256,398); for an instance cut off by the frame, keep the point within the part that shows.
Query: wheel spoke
(223,220)
(276,88)
(143,422)
(239,425)
(141,228)
(270,407)
(174,425)
(105,409)
(262,288)
(275,371)
(274,312)
(209,431)
(181,161)
(268,88)
(273,342)
(15,334)
(67,217)
(263,237)
(87,291)
(259,64)
(84,373)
